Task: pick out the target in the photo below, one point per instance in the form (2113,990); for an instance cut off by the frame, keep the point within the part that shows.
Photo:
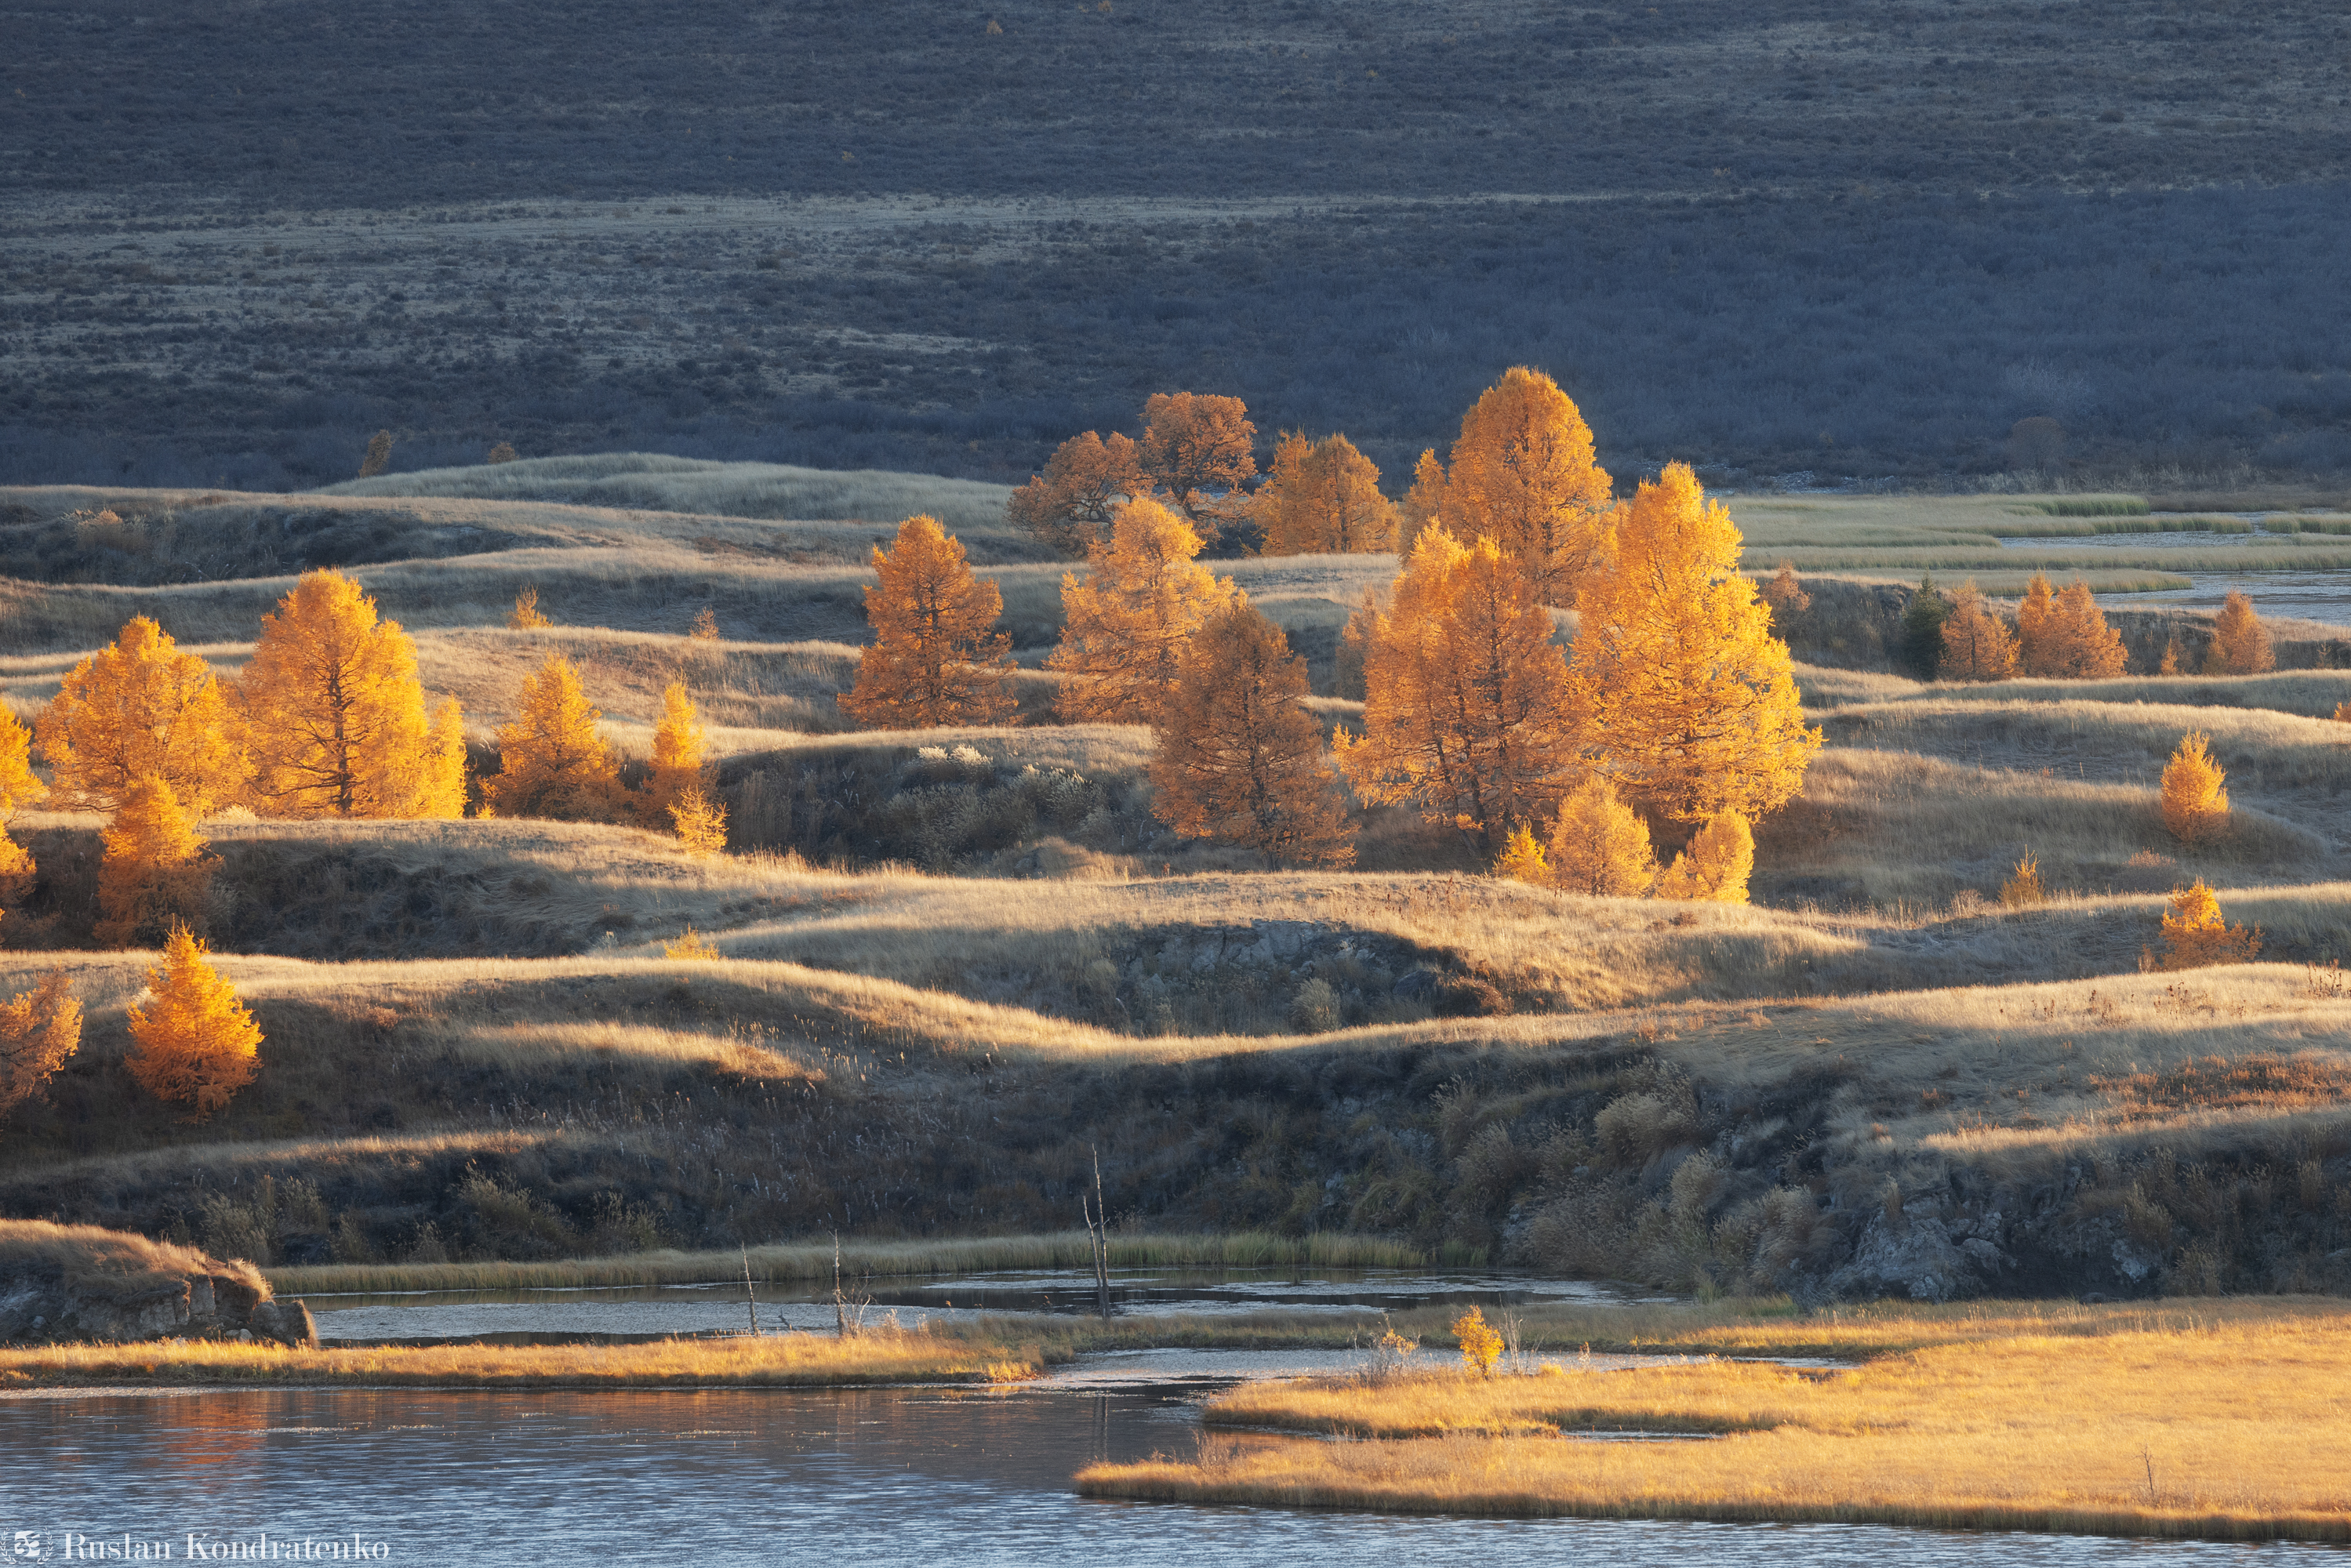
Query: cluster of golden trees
(2058,634)
(1675,699)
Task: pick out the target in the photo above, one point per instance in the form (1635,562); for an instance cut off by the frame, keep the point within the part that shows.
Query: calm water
(726,1478)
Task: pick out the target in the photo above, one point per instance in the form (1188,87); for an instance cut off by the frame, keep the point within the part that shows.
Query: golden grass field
(2199,1419)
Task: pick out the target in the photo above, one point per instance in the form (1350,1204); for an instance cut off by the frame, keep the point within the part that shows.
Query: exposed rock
(78,1283)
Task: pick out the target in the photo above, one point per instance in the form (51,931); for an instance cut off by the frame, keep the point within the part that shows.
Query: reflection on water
(699,1309)
(760,1477)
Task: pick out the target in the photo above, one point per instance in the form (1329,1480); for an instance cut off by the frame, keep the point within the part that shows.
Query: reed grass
(1068,1250)
(770,1360)
(2226,1426)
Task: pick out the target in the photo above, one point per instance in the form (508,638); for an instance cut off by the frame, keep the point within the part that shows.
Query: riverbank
(770,1360)
(2200,1420)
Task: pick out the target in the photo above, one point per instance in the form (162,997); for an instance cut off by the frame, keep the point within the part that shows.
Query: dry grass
(1068,1250)
(772,1361)
(2313,693)
(2226,1426)
(111,1264)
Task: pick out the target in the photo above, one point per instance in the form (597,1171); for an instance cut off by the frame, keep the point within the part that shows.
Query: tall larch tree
(154,873)
(1423,503)
(1070,503)
(1679,685)
(18,788)
(933,659)
(332,713)
(443,794)
(552,761)
(1524,474)
(2240,644)
(1125,623)
(1236,758)
(193,1042)
(678,762)
(1202,450)
(1600,846)
(2081,645)
(1465,696)
(1976,643)
(1322,497)
(139,706)
(2034,615)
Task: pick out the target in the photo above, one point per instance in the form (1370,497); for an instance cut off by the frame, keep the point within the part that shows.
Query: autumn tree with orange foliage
(2240,644)
(154,872)
(443,794)
(332,714)
(1523,858)
(1125,623)
(138,706)
(1235,757)
(18,788)
(677,764)
(552,761)
(1423,503)
(1322,497)
(1715,865)
(2195,935)
(1976,643)
(1678,683)
(193,1042)
(1600,846)
(1201,450)
(40,1029)
(1524,474)
(934,660)
(1466,710)
(2195,804)
(1070,503)
(2066,636)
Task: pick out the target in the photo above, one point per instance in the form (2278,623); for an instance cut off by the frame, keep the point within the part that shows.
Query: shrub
(526,616)
(1717,864)
(701,824)
(2023,888)
(2195,935)
(1521,859)
(379,454)
(1600,846)
(693,946)
(1480,1345)
(503,452)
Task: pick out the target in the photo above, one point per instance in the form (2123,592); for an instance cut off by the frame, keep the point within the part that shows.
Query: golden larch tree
(1600,845)
(1523,858)
(2195,934)
(154,872)
(332,714)
(1322,497)
(526,615)
(1124,624)
(18,788)
(552,761)
(40,1029)
(1976,643)
(2169,663)
(1524,474)
(1715,865)
(444,791)
(699,822)
(1423,503)
(934,660)
(1070,503)
(2034,615)
(1236,758)
(1679,685)
(1465,696)
(2240,644)
(1201,450)
(2195,803)
(138,706)
(193,1042)
(677,763)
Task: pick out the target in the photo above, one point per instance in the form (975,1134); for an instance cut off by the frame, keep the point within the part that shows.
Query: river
(724,1477)
(2280,593)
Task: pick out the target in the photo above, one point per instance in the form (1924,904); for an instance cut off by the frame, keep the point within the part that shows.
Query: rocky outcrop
(78,1283)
